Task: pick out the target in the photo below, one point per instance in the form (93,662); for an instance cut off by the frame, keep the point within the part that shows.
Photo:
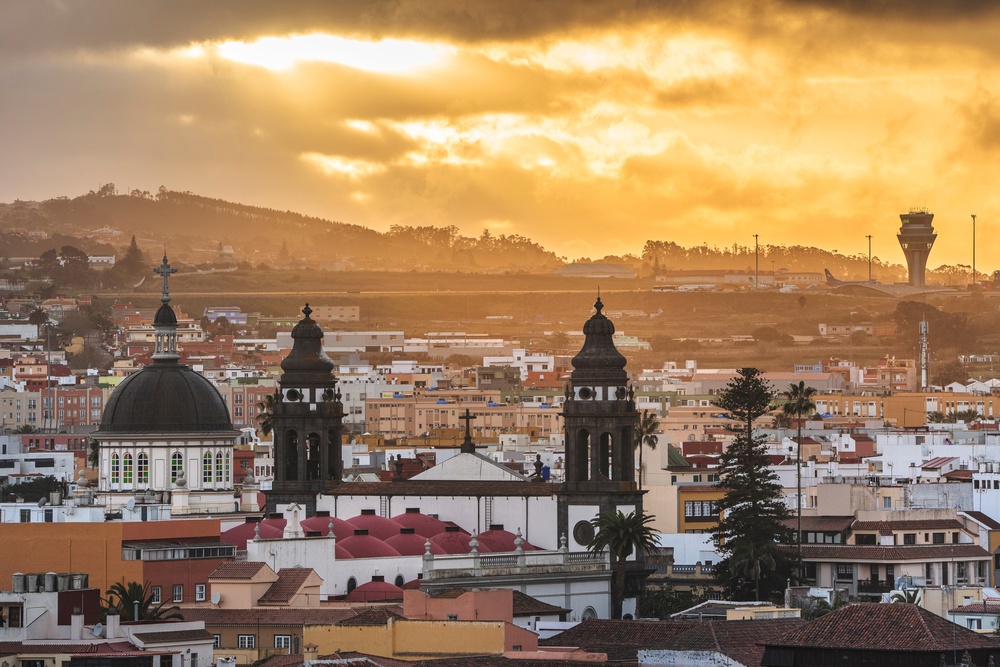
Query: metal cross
(165,270)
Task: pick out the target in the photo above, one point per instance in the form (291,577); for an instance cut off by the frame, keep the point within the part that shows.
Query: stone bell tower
(307,421)
(599,419)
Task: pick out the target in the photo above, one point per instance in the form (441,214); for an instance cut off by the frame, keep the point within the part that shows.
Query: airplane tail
(830,280)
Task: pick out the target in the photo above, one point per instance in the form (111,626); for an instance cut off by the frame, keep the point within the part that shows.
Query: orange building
(174,556)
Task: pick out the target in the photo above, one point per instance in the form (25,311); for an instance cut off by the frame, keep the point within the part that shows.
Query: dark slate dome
(307,362)
(599,351)
(165,397)
(165,315)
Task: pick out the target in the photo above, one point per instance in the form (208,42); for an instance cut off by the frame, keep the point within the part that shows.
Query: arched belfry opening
(307,419)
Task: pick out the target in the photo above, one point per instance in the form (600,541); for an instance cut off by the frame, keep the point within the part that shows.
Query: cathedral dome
(165,397)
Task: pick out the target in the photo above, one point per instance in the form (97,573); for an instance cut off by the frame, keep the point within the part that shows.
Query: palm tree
(621,534)
(751,561)
(265,413)
(25,428)
(38,317)
(906,596)
(123,597)
(799,404)
(645,434)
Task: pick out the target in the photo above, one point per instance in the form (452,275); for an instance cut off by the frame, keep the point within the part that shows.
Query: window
(116,469)
(886,503)
(865,539)
(352,583)
(975,623)
(909,538)
(283,641)
(199,592)
(845,571)
(700,510)
(178,592)
(25,516)
(452,617)
(127,469)
(938,538)
(954,538)
(176,466)
(246,641)
(216,641)
(218,467)
(157,594)
(142,469)
(206,468)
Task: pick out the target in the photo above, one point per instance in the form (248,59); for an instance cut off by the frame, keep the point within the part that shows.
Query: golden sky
(588,126)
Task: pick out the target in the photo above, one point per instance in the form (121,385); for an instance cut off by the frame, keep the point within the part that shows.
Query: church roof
(444,488)
(469,466)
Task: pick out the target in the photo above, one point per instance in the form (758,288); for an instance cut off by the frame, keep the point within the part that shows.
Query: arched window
(225,475)
(142,469)
(176,466)
(116,468)
(206,468)
(399,580)
(218,467)
(352,583)
(127,469)
(312,456)
(291,455)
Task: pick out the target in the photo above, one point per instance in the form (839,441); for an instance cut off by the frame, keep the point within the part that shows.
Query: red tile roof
(173,636)
(234,570)
(525,605)
(884,627)
(937,463)
(939,552)
(370,617)
(918,524)
(265,617)
(983,518)
(290,581)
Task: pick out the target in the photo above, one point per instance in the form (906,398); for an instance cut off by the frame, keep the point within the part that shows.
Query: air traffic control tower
(916,237)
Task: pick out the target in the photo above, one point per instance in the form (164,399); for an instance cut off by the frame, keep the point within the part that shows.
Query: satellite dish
(42,502)
(130,504)
(216,597)
(98,629)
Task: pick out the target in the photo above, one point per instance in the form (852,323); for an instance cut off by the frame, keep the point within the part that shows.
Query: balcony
(874,586)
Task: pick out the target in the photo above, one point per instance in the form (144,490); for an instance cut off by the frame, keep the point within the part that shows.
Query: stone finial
(256,532)
(181,480)
(427,551)
(563,543)
(474,544)
(519,542)
(329,530)
(248,478)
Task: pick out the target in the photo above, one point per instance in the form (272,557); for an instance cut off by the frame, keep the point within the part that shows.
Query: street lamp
(756,263)
(973,249)
(869,258)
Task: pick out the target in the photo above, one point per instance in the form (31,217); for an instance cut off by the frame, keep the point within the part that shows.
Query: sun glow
(388,56)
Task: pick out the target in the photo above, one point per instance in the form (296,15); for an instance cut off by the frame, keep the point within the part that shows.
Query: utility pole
(973,249)
(756,263)
(869,258)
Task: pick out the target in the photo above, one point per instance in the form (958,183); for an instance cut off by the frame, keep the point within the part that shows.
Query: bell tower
(307,419)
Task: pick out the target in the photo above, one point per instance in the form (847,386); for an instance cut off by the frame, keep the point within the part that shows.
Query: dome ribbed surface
(165,398)
(165,315)
(599,351)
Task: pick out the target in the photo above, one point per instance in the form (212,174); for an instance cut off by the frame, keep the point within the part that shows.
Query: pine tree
(753,507)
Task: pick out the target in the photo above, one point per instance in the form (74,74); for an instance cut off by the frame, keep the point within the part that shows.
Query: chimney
(76,625)
(111,624)
(310,652)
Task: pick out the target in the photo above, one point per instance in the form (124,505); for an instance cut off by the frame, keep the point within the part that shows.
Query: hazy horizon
(587,127)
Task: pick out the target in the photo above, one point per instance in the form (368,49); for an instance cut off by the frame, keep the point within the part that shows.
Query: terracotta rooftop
(234,570)
(884,627)
(939,552)
(290,581)
(983,518)
(741,641)
(916,525)
(268,617)
(173,636)
(370,617)
(826,524)
(525,605)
